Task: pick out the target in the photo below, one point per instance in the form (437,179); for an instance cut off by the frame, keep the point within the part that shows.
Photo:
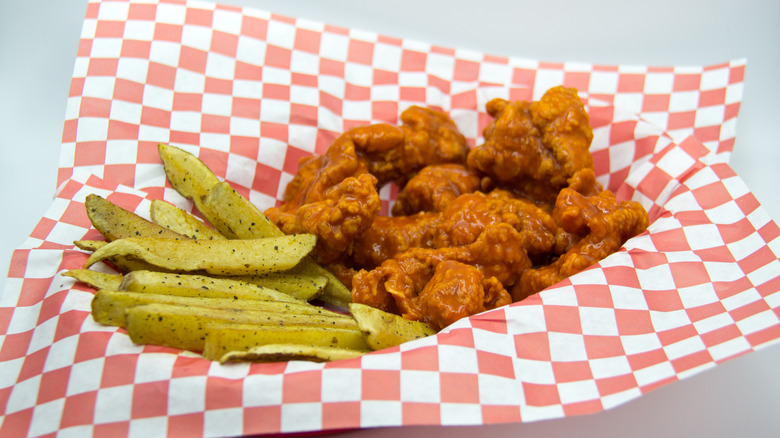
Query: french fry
(385,330)
(186,173)
(286,352)
(185,327)
(233,215)
(220,257)
(304,287)
(109,307)
(335,292)
(120,263)
(222,339)
(200,286)
(95,279)
(114,222)
(178,220)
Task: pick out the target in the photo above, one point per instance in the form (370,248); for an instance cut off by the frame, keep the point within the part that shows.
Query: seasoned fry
(176,219)
(185,327)
(304,287)
(222,339)
(95,279)
(220,257)
(187,174)
(335,292)
(285,352)
(385,330)
(114,222)
(120,263)
(234,216)
(109,306)
(200,286)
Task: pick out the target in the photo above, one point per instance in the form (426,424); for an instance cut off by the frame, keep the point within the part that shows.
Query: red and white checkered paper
(250,93)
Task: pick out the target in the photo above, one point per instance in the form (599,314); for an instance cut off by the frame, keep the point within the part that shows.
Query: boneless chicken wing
(533,148)
(470,230)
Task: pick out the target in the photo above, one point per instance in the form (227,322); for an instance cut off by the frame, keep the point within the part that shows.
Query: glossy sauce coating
(471,230)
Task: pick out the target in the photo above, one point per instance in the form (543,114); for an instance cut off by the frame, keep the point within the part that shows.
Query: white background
(741,397)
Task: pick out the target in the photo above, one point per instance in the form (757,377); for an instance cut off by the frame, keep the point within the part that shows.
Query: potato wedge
(185,327)
(200,286)
(234,216)
(114,222)
(334,292)
(304,287)
(287,352)
(120,263)
(220,257)
(223,339)
(385,330)
(95,279)
(109,307)
(186,172)
(178,220)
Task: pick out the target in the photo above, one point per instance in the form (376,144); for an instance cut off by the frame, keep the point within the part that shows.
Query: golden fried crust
(601,225)
(398,283)
(535,147)
(434,188)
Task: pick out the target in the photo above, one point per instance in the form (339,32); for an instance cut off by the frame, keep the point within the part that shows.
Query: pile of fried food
(238,291)
(471,229)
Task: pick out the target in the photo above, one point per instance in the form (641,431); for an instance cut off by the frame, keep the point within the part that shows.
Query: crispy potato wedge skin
(385,330)
(287,352)
(186,172)
(120,263)
(219,257)
(234,216)
(185,327)
(95,279)
(334,292)
(304,287)
(223,339)
(200,286)
(114,222)
(109,307)
(178,220)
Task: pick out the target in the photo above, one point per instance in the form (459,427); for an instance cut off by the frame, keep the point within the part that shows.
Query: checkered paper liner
(251,92)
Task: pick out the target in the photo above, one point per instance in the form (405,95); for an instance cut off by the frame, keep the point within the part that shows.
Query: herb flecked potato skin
(114,222)
(384,330)
(234,216)
(219,257)
(223,339)
(109,306)
(200,286)
(239,291)
(185,327)
(176,219)
(287,352)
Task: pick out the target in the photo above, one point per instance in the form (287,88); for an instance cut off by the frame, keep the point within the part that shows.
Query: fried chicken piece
(393,154)
(392,235)
(335,195)
(535,147)
(458,290)
(601,225)
(434,188)
(332,196)
(470,214)
(398,283)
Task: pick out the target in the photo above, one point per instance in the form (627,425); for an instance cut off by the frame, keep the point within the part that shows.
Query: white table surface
(741,397)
